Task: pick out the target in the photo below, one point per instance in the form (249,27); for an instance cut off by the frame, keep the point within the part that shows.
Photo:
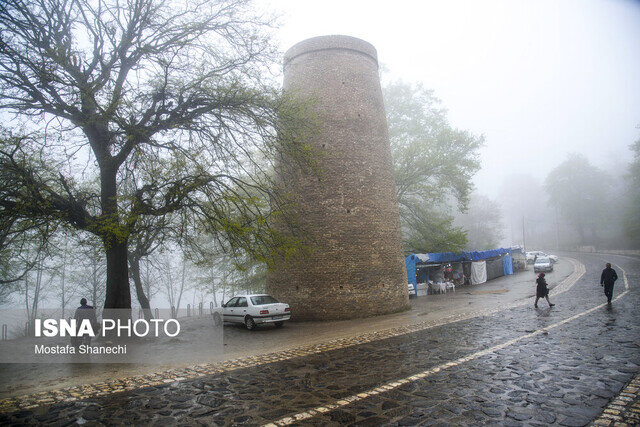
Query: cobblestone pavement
(516,366)
(31,384)
(164,376)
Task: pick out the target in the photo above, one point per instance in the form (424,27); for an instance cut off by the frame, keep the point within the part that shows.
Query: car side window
(242,302)
(232,302)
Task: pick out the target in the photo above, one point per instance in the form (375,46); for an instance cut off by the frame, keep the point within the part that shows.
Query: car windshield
(263,299)
(542,260)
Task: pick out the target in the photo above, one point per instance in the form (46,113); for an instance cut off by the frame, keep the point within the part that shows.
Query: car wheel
(249,323)
(217,319)
(279,324)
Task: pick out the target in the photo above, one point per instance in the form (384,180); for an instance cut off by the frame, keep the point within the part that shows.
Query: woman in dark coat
(541,290)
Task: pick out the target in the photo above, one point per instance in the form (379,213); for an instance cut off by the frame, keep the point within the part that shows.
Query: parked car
(532,255)
(543,263)
(412,290)
(252,310)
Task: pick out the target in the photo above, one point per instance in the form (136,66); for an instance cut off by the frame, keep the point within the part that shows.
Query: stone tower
(349,210)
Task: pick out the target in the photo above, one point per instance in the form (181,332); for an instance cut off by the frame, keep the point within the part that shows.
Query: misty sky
(541,79)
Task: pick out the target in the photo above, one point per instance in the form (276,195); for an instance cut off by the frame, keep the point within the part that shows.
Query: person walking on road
(542,291)
(607,279)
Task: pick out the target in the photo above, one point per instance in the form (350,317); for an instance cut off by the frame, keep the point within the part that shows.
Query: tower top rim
(331,42)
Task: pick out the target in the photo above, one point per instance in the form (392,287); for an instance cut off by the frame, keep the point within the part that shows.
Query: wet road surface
(560,365)
(18,380)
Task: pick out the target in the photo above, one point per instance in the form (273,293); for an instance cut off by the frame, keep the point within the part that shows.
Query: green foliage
(433,163)
(428,230)
(432,160)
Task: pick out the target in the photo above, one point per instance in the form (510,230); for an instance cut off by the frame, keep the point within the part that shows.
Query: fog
(551,86)
(542,80)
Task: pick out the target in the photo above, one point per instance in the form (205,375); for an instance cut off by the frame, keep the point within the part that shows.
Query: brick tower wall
(349,209)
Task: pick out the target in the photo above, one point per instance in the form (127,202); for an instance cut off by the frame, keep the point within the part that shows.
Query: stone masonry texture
(348,208)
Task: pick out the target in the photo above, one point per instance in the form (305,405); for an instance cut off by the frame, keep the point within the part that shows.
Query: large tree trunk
(134,269)
(118,293)
(115,241)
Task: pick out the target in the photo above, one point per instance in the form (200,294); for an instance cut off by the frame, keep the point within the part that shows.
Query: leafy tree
(430,230)
(580,191)
(169,97)
(433,163)
(19,252)
(21,239)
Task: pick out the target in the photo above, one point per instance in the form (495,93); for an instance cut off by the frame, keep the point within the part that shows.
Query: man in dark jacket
(607,279)
(85,312)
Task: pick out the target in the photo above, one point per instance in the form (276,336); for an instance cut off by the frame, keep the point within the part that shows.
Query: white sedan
(543,264)
(532,255)
(255,309)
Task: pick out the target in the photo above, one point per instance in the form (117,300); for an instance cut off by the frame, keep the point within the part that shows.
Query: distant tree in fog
(433,163)
(632,211)
(482,223)
(222,275)
(581,191)
(525,204)
(90,272)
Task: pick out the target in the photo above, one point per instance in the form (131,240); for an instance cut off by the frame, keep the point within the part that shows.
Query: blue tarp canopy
(444,257)
(415,260)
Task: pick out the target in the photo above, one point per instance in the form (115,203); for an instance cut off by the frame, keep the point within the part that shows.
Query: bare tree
(168,96)
(150,236)
(175,277)
(90,273)
(37,284)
